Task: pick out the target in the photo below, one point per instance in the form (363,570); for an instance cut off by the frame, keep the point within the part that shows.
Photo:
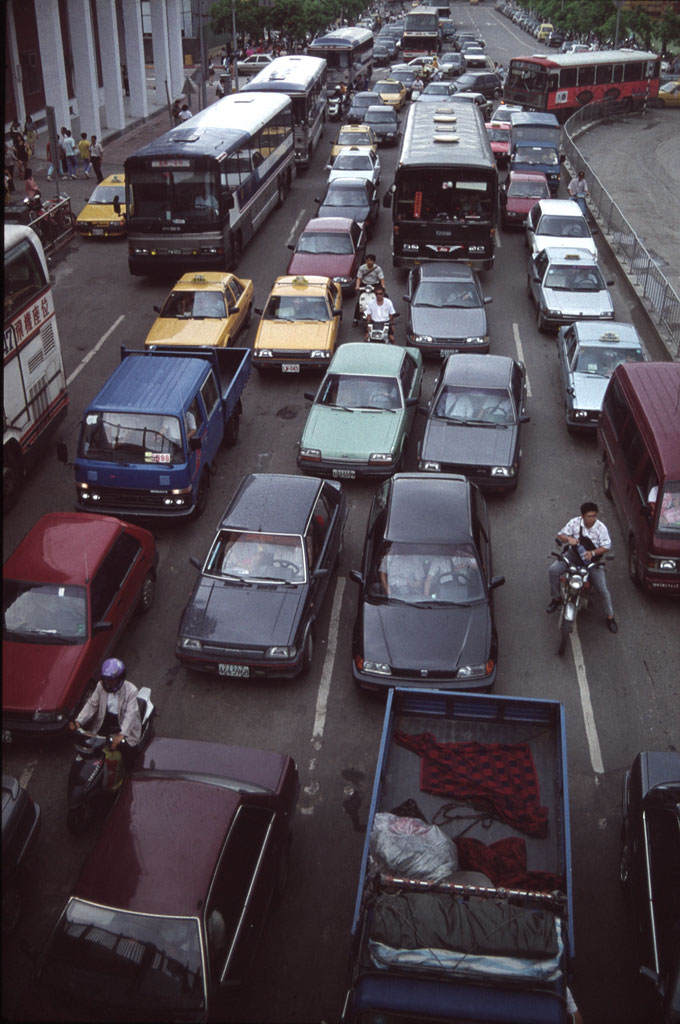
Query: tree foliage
(297,20)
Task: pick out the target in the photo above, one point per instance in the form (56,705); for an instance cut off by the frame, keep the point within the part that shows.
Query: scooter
(97,772)
(575,589)
(338,103)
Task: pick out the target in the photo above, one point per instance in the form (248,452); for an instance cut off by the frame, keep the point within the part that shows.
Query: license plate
(97,231)
(174,252)
(6,736)
(242,671)
(444,352)
(344,474)
(290,367)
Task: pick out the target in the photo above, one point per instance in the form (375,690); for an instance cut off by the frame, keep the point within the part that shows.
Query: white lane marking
(498,240)
(313,787)
(25,776)
(294,229)
(520,355)
(92,353)
(586,705)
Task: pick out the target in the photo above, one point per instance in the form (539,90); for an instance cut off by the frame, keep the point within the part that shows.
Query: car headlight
(48,716)
(320,353)
(262,353)
(377,668)
(502,471)
(468,671)
(343,280)
(429,466)
(553,312)
(581,414)
(189,643)
(477,340)
(380,457)
(313,454)
(281,652)
(115,223)
(422,339)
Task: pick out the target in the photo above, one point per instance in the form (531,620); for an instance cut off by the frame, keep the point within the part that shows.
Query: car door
(568,356)
(238,307)
(212,429)
(410,378)
(322,544)
(537,268)
(533,218)
(114,592)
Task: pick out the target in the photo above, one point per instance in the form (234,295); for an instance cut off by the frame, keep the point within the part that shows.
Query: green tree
(668,29)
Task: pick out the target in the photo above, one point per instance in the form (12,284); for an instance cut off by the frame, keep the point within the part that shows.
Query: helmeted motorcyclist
(114,709)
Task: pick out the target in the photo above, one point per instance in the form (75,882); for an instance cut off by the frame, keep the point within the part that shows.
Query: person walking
(70,150)
(10,163)
(185,113)
(51,170)
(31,133)
(30,184)
(96,155)
(84,150)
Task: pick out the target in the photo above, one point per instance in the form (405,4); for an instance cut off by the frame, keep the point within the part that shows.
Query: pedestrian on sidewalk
(63,165)
(185,113)
(71,159)
(84,150)
(31,133)
(30,184)
(96,155)
(10,164)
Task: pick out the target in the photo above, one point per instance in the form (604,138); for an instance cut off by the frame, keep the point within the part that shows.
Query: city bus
(348,53)
(563,83)
(445,193)
(35,397)
(196,195)
(422,35)
(304,80)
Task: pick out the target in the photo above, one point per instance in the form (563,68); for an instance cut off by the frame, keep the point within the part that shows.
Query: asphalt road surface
(621,692)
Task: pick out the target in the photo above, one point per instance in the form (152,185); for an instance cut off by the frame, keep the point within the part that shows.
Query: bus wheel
(11,478)
(236,250)
(282,191)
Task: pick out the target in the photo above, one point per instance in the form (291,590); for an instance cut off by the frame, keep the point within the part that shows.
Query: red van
(639,435)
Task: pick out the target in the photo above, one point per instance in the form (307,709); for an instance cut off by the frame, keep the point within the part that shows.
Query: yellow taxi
(392,92)
(300,325)
(99,218)
(354,135)
(207,308)
(669,94)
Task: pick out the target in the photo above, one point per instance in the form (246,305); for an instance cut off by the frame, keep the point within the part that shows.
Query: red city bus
(564,83)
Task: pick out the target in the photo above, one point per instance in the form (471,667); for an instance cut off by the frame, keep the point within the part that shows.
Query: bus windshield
(437,195)
(24,277)
(183,196)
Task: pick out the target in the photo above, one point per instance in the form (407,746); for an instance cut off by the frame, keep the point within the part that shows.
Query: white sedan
(355,162)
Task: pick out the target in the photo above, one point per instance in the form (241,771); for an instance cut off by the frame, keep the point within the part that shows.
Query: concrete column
(176,80)
(87,88)
(134,50)
(109,47)
(161,55)
(15,68)
(52,60)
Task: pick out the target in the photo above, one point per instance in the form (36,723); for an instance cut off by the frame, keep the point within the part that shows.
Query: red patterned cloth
(499,778)
(505,863)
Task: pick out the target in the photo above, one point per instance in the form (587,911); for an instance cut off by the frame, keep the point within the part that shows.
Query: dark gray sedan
(355,198)
(446,309)
(473,420)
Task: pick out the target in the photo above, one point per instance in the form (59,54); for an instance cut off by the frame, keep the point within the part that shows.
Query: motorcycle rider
(578,190)
(369,275)
(591,533)
(378,310)
(114,708)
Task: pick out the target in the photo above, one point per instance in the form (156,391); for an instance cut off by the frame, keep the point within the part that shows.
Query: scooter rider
(369,275)
(578,190)
(114,708)
(378,310)
(591,533)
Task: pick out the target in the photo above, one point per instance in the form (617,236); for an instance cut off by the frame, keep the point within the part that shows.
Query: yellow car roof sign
(299,282)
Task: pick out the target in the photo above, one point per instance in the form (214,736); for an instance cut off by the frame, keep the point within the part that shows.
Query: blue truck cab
(149,439)
(535,145)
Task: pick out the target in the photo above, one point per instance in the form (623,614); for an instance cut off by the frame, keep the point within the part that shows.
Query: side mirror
(525,418)
(316,199)
(319,574)
(337,312)
(258,310)
(610,283)
(488,299)
(291,247)
(156,309)
(497,581)
(406,298)
(102,627)
(411,402)
(227,200)
(310,396)
(356,577)
(195,562)
(424,409)
(116,206)
(387,199)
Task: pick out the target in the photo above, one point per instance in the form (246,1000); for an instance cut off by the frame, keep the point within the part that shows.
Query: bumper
(240,670)
(25,725)
(442,347)
(553,321)
(369,682)
(341,471)
(667,584)
(147,266)
(136,512)
(94,231)
(285,364)
(586,424)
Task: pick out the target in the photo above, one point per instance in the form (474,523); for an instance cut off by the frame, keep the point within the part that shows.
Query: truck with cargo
(149,439)
(535,145)
(464,907)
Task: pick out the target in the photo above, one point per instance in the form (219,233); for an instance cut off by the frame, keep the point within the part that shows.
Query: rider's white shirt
(379,314)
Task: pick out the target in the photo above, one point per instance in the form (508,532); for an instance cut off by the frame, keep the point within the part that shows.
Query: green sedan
(362,412)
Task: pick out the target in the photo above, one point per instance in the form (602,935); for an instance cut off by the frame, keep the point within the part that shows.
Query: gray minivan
(384,122)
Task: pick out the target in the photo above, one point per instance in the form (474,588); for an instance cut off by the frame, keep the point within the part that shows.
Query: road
(620,692)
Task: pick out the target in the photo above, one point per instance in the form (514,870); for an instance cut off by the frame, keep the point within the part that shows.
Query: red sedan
(332,247)
(69,589)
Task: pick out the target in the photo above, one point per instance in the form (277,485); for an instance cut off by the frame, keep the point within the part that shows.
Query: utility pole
(235,45)
(204,61)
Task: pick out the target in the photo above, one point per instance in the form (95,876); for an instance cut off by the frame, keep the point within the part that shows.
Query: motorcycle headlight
(575,582)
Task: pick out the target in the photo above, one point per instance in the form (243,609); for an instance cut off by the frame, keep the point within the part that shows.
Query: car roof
(652,389)
(570,256)
(382,109)
(271,503)
(347,182)
(293,284)
(429,509)
(559,207)
(339,224)
(527,176)
(363,128)
(363,357)
(446,271)
(204,281)
(63,547)
(113,179)
(474,368)
(594,332)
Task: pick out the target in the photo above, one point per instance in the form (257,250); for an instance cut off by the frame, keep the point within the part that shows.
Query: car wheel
(148,591)
(202,496)
(236,250)
(281,192)
(633,571)
(540,322)
(308,652)
(606,479)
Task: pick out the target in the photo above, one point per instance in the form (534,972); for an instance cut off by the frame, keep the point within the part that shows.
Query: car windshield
(669,508)
(529,189)
(537,155)
(437,89)
(132,438)
(422,574)
(297,307)
(132,962)
(378,117)
(475,405)
(603,361)
(351,391)
(352,162)
(345,197)
(563,227)
(456,294)
(354,139)
(564,278)
(261,557)
(335,243)
(199,305)
(105,194)
(44,613)
(390,88)
(499,135)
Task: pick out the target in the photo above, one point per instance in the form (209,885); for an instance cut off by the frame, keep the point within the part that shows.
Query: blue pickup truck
(535,145)
(149,439)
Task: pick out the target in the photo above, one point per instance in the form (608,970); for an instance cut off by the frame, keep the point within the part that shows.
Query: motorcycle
(338,104)
(575,589)
(97,772)
(377,331)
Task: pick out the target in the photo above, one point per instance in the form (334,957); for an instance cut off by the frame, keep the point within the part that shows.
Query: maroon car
(171,902)
(499,137)
(69,589)
(523,189)
(332,247)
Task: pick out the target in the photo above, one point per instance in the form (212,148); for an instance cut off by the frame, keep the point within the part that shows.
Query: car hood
(437,638)
(41,676)
(99,213)
(474,446)
(521,204)
(170,331)
(448,323)
(325,264)
(351,435)
(589,390)
(367,175)
(297,335)
(578,304)
(260,615)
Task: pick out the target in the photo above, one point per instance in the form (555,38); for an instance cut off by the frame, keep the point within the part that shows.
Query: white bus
(35,399)
(304,80)
(196,195)
(348,52)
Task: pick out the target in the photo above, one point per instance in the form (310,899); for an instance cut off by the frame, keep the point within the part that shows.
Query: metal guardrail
(56,225)
(659,297)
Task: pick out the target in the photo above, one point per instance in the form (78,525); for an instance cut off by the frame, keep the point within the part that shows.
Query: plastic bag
(411,848)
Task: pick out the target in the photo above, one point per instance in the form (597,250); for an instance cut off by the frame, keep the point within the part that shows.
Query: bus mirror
(227,200)
(116,206)
(387,198)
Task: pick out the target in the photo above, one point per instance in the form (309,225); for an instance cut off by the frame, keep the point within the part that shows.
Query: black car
(384,122)
(20,824)
(425,611)
(488,83)
(361,101)
(356,198)
(650,871)
(473,420)
(446,309)
(253,611)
